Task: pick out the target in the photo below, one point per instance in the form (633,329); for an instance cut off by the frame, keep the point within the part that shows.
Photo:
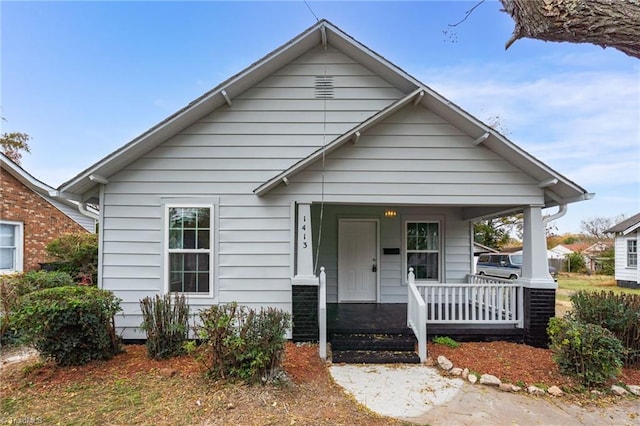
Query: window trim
(632,254)
(19,242)
(212,204)
(441,250)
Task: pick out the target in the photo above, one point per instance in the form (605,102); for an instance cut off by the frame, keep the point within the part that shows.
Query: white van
(502,265)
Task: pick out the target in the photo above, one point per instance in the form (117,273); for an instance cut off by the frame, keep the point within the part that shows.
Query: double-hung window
(10,247)
(422,240)
(632,253)
(190,249)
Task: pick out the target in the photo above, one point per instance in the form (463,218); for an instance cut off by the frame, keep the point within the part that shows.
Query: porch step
(374,357)
(373,342)
(374,348)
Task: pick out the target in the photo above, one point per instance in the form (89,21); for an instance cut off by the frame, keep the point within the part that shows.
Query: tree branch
(604,23)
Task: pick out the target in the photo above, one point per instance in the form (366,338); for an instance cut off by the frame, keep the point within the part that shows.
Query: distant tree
(605,23)
(595,226)
(494,233)
(570,239)
(13,144)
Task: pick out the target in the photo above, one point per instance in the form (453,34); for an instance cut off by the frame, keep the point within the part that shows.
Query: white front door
(357,260)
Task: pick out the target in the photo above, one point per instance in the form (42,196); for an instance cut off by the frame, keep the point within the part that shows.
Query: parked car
(504,265)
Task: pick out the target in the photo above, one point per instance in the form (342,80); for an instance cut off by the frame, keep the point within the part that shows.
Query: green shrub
(71,325)
(166,324)
(575,262)
(78,255)
(588,352)
(239,343)
(13,286)
(446,341)
(618,313)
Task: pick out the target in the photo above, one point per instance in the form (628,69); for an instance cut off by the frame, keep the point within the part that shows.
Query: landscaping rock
(429,362)
(596,392)
(534,390)
(619,390)
(555,391)
(465,373)
(509,387)
(444,363)
(634,389)
(455,371)
(489,380)
(472,379)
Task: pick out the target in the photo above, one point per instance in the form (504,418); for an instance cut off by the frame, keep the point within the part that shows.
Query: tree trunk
(606,23)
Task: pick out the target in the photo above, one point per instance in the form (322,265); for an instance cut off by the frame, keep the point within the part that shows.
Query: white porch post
(304,248)
(539,290)
(535,266)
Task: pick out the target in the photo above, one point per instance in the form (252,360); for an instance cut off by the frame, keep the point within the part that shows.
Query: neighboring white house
(627,235)
(320,154)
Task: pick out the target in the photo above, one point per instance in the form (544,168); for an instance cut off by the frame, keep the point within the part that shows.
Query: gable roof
(626,226)
(68,207)
(558,189)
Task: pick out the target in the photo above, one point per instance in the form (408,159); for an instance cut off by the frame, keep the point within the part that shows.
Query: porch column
(304,284)
(539,286)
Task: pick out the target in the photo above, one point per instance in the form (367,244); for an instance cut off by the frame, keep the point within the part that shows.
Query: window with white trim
(422,248)
(189,231)
(632,253)
(11,238)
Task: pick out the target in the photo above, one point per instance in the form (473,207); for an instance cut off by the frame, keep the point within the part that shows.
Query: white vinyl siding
(229,153)
(623,271)
(415,157)
(11,246)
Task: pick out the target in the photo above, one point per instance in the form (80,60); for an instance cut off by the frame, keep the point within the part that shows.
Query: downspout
(562,210)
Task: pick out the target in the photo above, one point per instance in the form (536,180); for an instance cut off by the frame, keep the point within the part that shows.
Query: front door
(357,260)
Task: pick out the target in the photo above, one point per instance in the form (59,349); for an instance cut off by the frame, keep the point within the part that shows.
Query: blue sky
(84,78)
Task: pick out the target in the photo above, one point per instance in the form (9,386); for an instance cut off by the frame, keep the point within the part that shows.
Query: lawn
(568,284)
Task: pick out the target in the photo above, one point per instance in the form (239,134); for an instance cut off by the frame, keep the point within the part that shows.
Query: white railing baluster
(482,300)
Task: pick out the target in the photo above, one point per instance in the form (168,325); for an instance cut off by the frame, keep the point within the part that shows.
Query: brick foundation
(305,313)
(539,307)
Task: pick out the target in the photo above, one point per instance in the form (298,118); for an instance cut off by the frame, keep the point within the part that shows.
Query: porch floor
(391,318)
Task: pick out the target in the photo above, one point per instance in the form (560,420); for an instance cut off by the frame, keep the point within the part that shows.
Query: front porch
(391,318)
(484,309)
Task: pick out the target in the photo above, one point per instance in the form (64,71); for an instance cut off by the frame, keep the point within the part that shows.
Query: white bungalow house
(627,235)
(323,155)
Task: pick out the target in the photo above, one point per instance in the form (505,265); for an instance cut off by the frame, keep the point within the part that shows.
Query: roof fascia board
(377,63)
(336,143)
(631,229)
(23,176)
(474,127)
(198,108)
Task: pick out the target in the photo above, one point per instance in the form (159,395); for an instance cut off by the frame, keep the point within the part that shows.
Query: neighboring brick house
(30,218)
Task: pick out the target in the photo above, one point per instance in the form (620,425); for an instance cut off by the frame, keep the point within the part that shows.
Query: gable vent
(324,87)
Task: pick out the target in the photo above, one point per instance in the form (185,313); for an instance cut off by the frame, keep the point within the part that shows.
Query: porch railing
(417,316)
(322,315)
(483,300)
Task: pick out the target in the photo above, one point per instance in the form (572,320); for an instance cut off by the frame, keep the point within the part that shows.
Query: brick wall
(539,308)
(41,220)
(305,313)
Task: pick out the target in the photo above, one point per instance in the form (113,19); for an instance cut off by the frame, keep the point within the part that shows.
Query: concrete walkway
(419,394)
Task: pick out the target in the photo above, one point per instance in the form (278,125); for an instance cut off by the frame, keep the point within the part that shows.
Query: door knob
(374,268)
